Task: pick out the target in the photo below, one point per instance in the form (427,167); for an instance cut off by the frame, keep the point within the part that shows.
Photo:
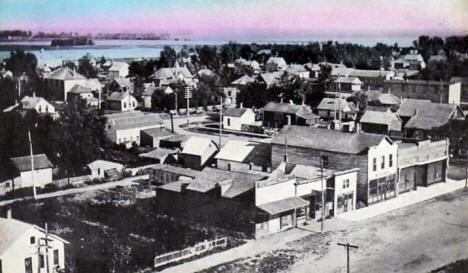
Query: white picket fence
(189,252)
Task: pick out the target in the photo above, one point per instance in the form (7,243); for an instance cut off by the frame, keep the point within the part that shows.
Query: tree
(254,95)
(20,62)
(168,57)
(81,133)
(86,68)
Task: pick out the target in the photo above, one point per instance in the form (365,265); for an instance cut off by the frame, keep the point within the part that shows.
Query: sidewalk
(249,249)
(124,182)
(404,200)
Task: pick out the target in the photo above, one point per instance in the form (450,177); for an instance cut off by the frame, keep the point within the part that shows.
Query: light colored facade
(125,127)
(233,119)
(20,251)
(60,81)
(42,171)
(118,70)
(435,91)
(122,102)
(98,167)
(276,64)
(40,105)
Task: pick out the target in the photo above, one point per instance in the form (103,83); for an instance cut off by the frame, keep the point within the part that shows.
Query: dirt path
(124,182)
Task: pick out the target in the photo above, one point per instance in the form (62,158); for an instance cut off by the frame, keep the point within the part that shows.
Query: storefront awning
(283,205)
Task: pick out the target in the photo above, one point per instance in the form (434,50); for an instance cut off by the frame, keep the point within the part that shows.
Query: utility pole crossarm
(347,245)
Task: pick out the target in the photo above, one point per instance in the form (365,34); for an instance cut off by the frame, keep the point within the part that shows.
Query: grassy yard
(111,230)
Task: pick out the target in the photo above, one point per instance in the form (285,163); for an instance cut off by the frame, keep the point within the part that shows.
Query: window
(125,105)
(1,271)
(324,159)
(228,122)
(345,183)
(383,162)
(32,239)
(390,161)
(56,257)
(229,166)
(28,265)
(374,164)
(41,261)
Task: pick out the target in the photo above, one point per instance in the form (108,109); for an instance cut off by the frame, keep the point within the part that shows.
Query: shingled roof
(384,118)
(237,183)
(288,108)
(133,119)
(245,152)
(409,107)
(235,112)
(23,163)
(327,140)
(64,73)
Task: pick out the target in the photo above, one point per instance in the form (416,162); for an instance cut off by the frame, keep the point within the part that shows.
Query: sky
(240,18)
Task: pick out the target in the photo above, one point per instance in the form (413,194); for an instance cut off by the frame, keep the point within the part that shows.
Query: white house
(99,167)
(276,64)
(234,118)
(60,81)
(125,127)
(23,248)
(118,70)
(348,84)
(38,104)
(122,101)
(198,152)
(42,171)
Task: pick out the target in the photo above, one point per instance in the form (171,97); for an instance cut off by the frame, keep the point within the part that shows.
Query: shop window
(41,261)
(373,187)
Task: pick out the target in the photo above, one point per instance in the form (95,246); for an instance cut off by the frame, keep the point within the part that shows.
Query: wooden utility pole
(348,246)
(323,196)
(466,179)
(220,120)
(188,95)
(32,166)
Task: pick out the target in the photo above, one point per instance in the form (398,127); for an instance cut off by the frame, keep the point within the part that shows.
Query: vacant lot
(111,230)
(418,238)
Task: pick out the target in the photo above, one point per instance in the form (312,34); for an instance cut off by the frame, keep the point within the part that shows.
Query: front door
(28,265)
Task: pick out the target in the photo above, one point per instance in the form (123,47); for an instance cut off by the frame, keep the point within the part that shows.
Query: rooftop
(235,112)
(23,163)
(245,152)
(197,145)
(384,118)
(64,73)
(327,140)
(133,119)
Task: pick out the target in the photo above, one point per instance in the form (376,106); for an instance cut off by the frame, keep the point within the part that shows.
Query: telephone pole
(323,196)
(32,166)
(188,95)
(220,120)
(348,246)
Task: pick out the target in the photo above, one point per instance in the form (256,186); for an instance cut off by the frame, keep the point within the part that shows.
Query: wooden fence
(189,252)
(77,180)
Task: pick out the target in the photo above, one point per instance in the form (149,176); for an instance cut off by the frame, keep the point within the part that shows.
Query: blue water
(152,48)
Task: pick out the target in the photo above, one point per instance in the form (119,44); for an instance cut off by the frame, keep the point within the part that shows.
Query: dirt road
(417,238)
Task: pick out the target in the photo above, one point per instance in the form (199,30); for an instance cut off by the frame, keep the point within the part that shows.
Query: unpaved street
(418,238)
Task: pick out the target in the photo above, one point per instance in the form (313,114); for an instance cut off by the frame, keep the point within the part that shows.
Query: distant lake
(152,48)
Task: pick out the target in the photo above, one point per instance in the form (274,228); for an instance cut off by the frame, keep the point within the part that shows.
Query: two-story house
(348,84)
(60,81)
(118,70)
(277,115)
(276,64)
(374,155)
(26,248)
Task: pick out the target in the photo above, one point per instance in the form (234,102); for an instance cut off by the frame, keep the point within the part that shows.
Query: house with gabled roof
(375,156)
(60,81)
(276,64)
(379,122)
(118,70)
(121,102)
(329,108)
(244,156)
(348,84)
(125,127)
(234,118)
(28,248)
(244,80)
(23,171)
(169,75)
(277,115)
(198,152)
(121,85)
(152,89)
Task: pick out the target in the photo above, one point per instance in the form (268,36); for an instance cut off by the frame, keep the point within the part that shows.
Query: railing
(189,252)
(72,180)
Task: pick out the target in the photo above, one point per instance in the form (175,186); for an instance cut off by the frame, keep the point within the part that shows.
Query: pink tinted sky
(240,17)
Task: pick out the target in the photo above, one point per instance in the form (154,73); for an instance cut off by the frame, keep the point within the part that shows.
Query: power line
(348,246)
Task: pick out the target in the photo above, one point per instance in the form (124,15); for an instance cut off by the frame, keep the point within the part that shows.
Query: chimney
(241,105)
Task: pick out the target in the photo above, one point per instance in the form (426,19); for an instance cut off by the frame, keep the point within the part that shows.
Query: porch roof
(283,205)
